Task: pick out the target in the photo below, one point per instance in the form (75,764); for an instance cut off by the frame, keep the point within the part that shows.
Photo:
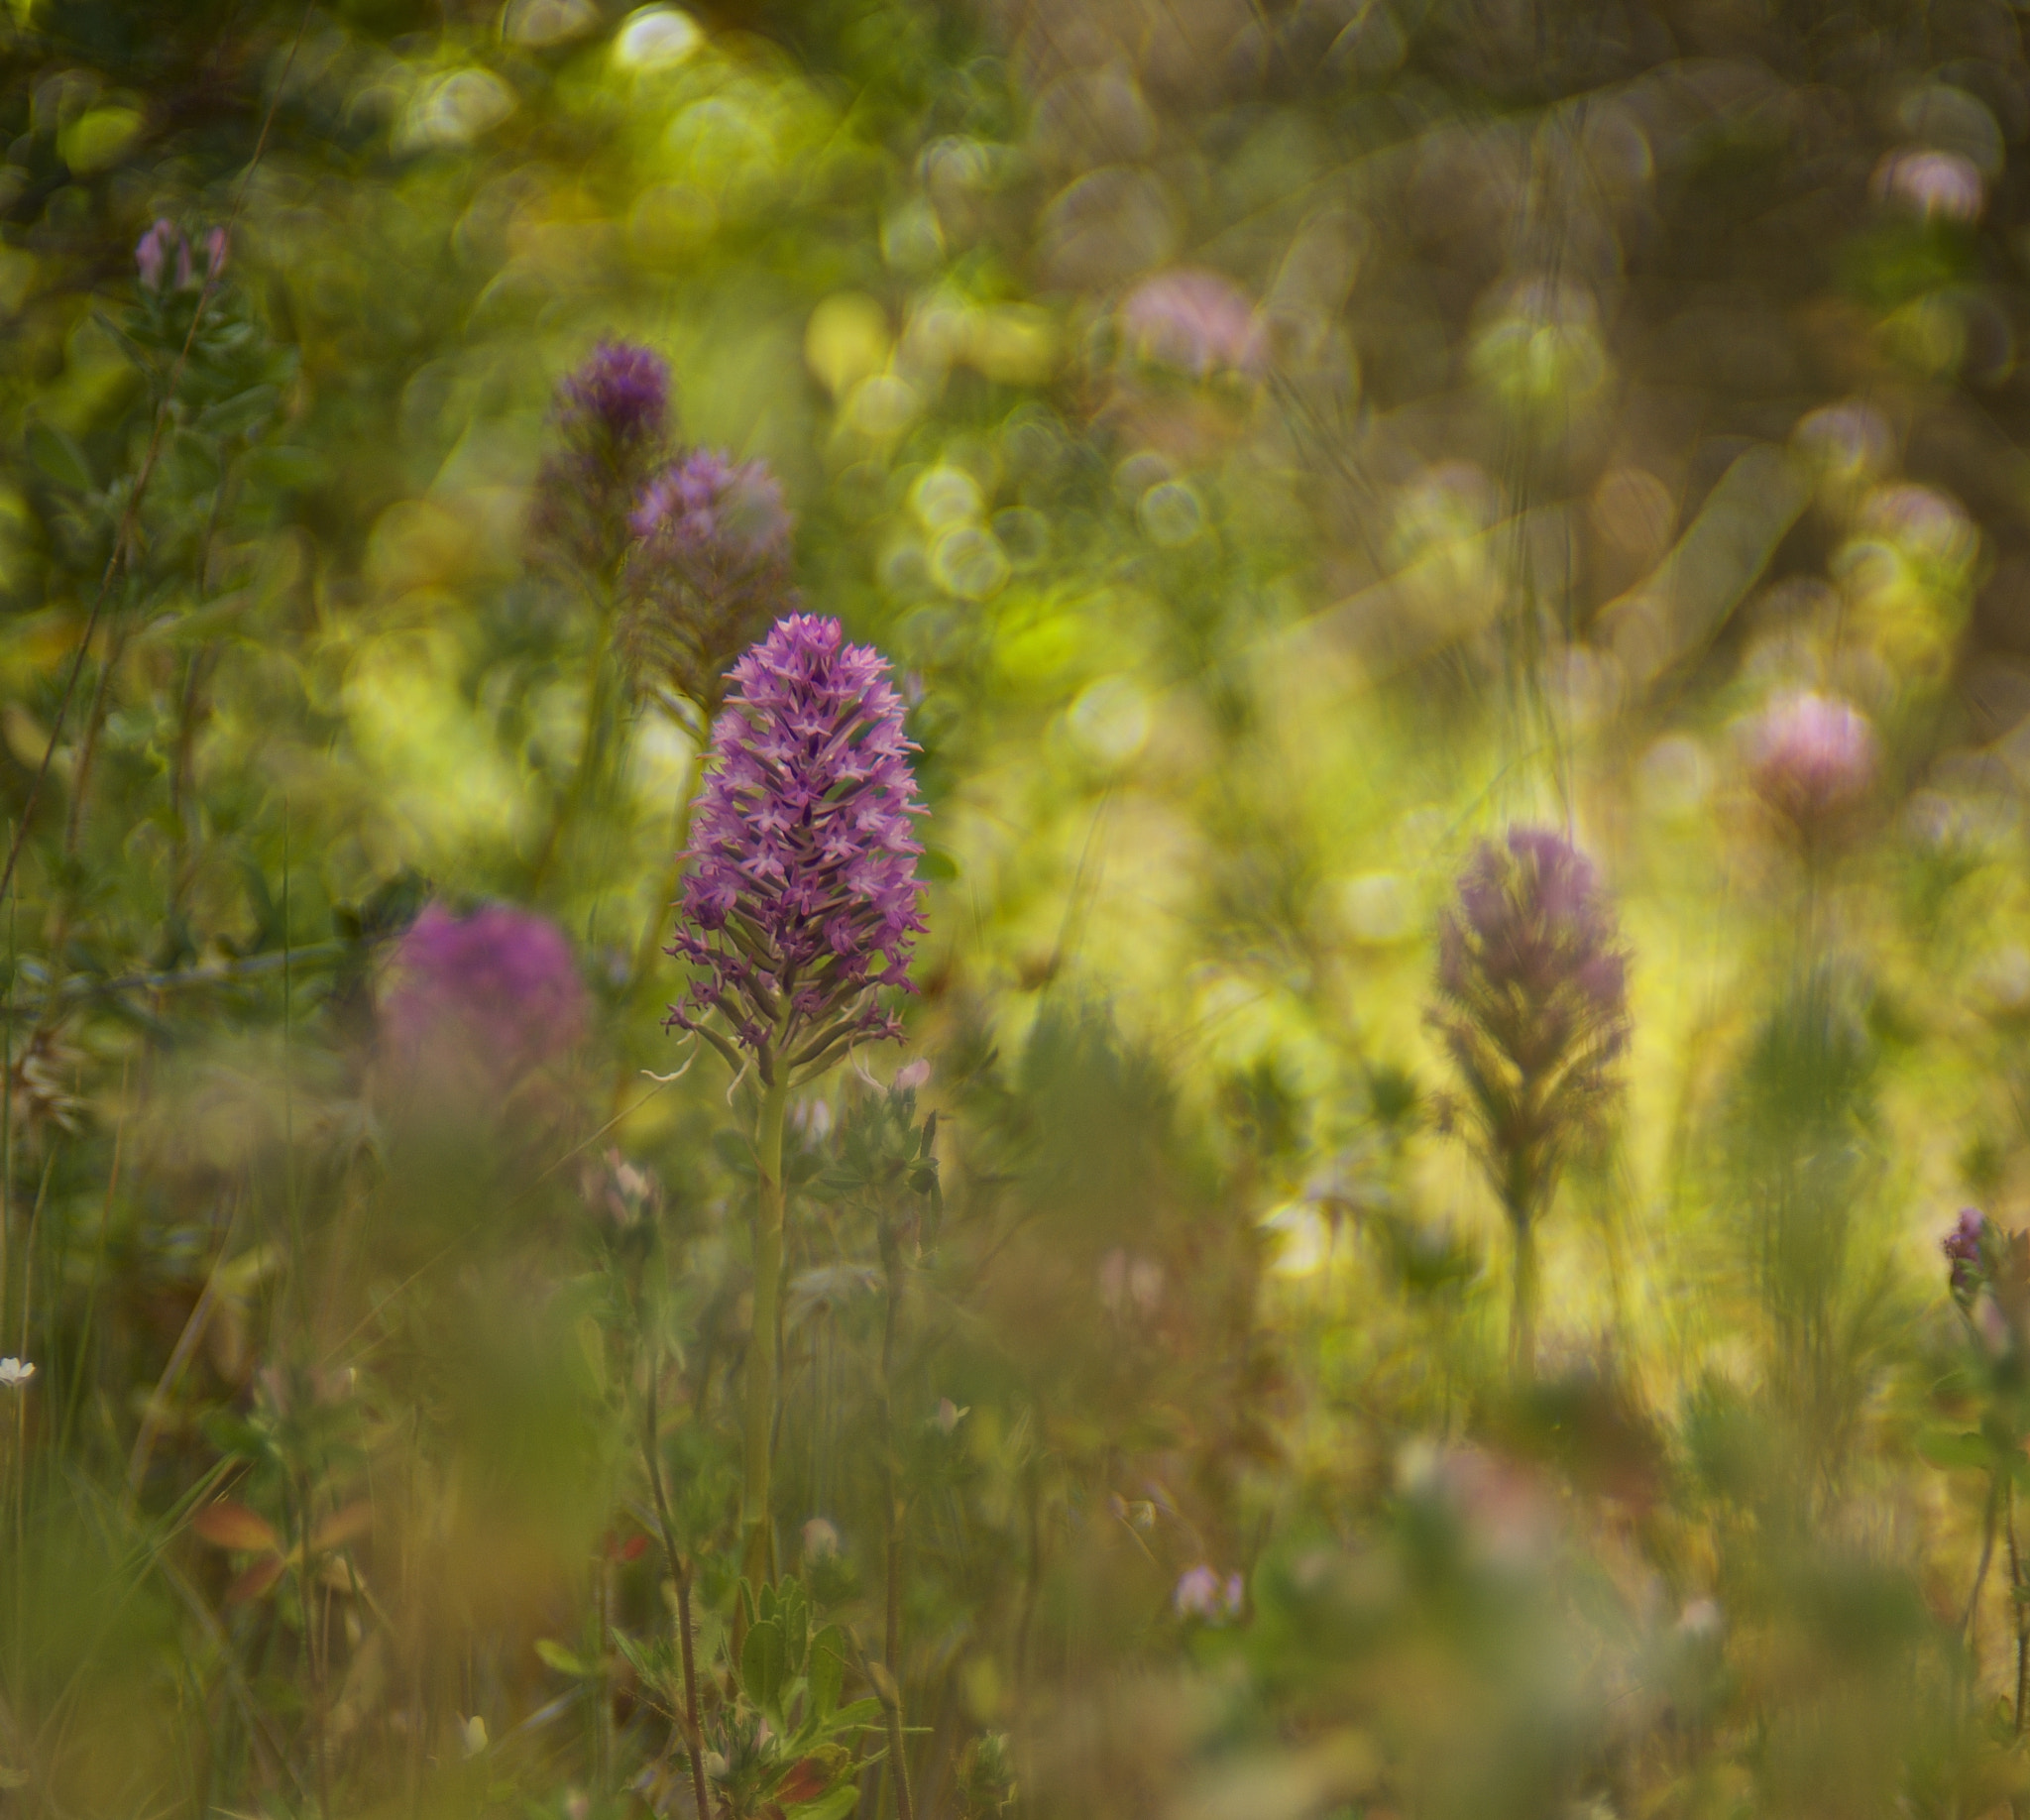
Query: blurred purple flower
(1201,1594)
(1532,1007)
(1851,438)
(1963,1248)
(1810,758)
(1195,322)
(611,418)
(710,570)
(703,500)
(151,255)
(1941,184)
(620,396)
(801,894)
(476,1006)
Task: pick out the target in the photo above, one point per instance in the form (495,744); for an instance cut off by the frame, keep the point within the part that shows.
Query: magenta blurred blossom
(1533,988)
(1811,756)
(475,1005)
(1203,1593)
(1195,322)
(801,895)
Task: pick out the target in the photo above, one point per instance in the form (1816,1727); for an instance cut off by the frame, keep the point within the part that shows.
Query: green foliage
(1277,448)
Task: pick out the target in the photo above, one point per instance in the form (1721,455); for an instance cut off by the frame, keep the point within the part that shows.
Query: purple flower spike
(1812,757)
(711,571)
(801,896)
(620,396)
(612,417)
(1533,988)
(1963,1247)
(477,1004)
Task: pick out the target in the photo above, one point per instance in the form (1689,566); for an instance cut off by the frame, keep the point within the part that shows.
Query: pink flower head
(1195,321)
(1940,185)
(151,255)
(1811,756)
(1963,1247)
(1202,1594)
(801,896)
(477,1004)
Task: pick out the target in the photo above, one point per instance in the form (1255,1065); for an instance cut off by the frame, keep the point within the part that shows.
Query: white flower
(473,1736)
(14,1373)
(821,1538)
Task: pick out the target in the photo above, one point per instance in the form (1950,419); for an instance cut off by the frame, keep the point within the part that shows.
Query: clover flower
(1932,184)
(801,895)
(1963,1247)
(710,570)
(477,1004)
(1202,1593)
(1810,758)
(611,419)
(1195,321)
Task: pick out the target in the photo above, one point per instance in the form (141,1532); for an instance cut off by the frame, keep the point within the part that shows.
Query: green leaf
(1945,1449)
(936,866)
(826,1672)
(793,1613)
(284,469)
(860,1716)
(561,1659)
(764,1665)
(236,415)
(736,1153)
(59,457)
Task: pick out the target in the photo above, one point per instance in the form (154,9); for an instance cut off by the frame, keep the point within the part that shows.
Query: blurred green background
(1278,446)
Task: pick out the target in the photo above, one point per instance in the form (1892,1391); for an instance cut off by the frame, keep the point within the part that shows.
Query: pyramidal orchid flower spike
(800,903)
(1533,1009)
(801,896)
(710,570)
(611,422)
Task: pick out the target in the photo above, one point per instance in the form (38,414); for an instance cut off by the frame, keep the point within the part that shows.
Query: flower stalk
(800,903)
(758,1553)
(1532,1008)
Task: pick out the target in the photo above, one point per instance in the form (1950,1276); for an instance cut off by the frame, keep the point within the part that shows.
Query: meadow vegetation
(1014,908)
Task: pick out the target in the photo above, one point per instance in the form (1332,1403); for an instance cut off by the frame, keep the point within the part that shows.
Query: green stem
(1523,1309)
(594,752)
(758,1555)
